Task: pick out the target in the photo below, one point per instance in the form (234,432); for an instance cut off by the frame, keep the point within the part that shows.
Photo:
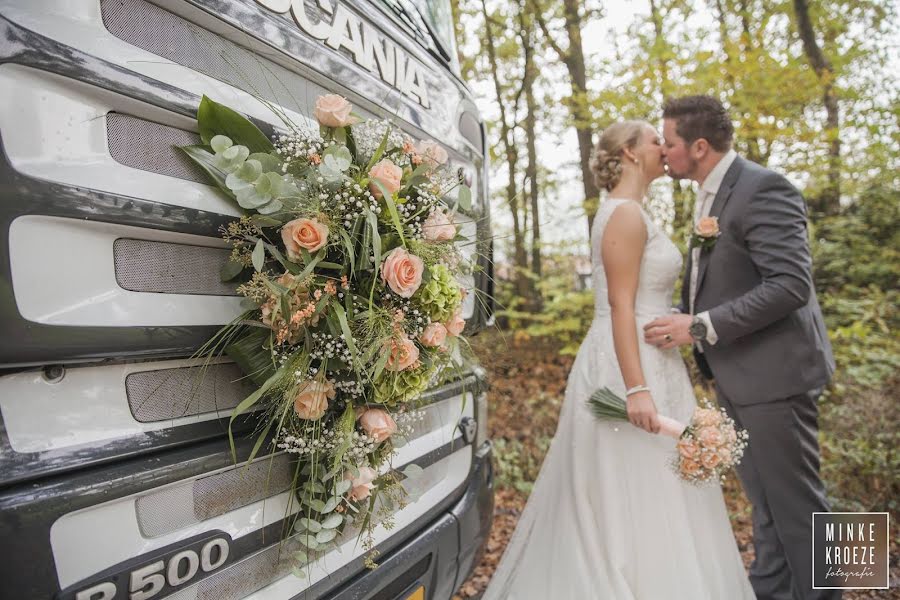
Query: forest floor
(527,383)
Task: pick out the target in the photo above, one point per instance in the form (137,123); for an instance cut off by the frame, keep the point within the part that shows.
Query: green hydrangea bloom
(396,387)
(440,296)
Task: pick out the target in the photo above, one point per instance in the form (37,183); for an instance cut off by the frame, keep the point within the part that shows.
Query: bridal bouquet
(348,268)
(707,446)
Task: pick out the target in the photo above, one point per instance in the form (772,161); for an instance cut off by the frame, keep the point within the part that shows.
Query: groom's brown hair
(701,117)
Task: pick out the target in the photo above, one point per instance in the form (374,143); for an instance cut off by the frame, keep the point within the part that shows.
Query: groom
(751,314)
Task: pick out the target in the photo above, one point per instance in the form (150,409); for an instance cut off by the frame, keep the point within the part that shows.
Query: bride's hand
(642,412)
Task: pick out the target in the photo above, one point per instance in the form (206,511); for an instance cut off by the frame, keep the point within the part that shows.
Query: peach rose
(707,227)
(388,174)
(434,335)
(312,399)
(710,460)
(403,353)
(455,324)
(333,111)
(303,233)
(432,152)
(361,486)
(402,271)
(710,437)
(706,417)
(687,448)
(377,424)
(438,227)
(689,467)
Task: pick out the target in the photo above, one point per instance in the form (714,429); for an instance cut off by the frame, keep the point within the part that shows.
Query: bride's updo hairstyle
(606,159)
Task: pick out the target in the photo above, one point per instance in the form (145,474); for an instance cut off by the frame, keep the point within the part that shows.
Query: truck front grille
(150,146)
(167,268)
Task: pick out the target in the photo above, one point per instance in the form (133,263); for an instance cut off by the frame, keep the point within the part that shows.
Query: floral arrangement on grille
(349,266)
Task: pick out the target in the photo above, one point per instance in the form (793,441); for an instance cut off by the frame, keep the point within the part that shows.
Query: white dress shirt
(705,197)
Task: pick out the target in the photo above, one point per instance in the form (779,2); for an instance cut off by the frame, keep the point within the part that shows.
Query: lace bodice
(660,266)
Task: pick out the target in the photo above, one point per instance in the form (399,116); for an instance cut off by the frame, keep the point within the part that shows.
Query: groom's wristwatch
(698,329)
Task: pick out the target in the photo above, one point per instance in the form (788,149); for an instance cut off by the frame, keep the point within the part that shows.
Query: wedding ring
(668,337)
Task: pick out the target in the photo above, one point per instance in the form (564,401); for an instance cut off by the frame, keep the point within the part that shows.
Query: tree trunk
(511,153)
(829,202)
(526,27)
(573,58)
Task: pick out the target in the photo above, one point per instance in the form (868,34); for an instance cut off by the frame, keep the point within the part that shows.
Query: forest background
(812,88)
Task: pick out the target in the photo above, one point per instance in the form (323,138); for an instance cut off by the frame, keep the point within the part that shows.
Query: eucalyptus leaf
(309,541)
(310,525)
(220,143)
(326,535)
(259,255)
(343,487)
(298,572)
(331,504)
(206,161)
(300,556)
(230,270)
(268,162)
(317,505)
(332,521)
(464,198)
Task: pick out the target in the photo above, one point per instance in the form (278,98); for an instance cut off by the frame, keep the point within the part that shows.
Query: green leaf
(310,525)
(331,505)
(230,270)
(332,520)
(348,247)
(316,505)
(300,556)
(464,198)
(326,535)
(376,238)
(392,209)
(265,221)
(379,152)
(259,255)
(309,541)
(343,487)
(217,119)
(268,162)
(298,572)
(330,265)
(248,402)
(345,329)
(204,160)
(250,354)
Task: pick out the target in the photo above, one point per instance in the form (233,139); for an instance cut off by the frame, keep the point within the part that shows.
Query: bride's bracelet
(636,389)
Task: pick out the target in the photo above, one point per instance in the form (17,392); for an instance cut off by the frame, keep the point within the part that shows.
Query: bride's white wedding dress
(608,518)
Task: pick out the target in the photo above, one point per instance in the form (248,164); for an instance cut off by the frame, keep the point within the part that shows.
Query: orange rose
(456,324)
(706,417)
(312,399)
(388,174)
(303,233)
(707,227)
(377,424)
(710,460)
(689,468)
(361,486)
(403,353)
(434,335)
(402,271)
(710,437)
(438,227)
(687,448)
(333,111)
(432,153)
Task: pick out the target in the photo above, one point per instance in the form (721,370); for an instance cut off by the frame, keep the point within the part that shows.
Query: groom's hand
(669,331)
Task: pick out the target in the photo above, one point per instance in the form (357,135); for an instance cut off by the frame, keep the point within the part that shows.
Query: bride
(608,518)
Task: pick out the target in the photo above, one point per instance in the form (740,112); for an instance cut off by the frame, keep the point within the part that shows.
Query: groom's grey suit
(770,362)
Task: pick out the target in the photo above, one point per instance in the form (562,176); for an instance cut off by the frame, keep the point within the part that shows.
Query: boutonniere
(706,232)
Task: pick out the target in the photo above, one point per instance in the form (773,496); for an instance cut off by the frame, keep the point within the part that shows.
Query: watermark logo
(850,550)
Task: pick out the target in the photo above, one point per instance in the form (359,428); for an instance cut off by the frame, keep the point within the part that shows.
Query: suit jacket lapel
(718,206)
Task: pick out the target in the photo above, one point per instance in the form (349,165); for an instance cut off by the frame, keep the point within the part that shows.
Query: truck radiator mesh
(150,146)
(180,506)
(186,44)
(167,268)
(168,394)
